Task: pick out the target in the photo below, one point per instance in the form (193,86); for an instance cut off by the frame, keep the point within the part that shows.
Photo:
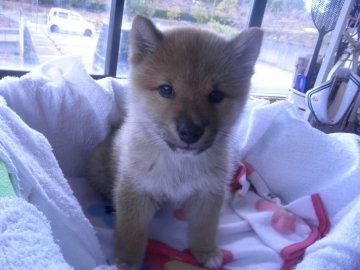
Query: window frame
(113,41)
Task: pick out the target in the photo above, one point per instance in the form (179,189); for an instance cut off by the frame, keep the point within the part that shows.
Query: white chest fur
(163,173)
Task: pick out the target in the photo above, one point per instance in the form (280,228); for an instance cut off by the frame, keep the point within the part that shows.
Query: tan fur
(148,163)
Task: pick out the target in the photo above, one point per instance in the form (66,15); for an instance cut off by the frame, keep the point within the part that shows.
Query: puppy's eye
(216,96)
(166,91)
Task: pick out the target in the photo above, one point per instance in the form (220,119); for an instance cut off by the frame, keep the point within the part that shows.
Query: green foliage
(77,3)
(91,5)
(84,4)
(160,13)
(133,7)
(276,6)
(56,3)
(173,13)
(245,2)
(184,16)
(148,7)
(225,7)
(47,2)
(98,6)
(200,13)
(226,30)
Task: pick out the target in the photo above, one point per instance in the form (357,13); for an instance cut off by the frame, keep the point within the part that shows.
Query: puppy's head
(189,86)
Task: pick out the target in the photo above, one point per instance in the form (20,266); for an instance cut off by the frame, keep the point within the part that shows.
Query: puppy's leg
(100,168)
(203,219)
(133,214)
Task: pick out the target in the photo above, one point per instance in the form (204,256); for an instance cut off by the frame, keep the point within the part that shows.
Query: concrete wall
(282,54)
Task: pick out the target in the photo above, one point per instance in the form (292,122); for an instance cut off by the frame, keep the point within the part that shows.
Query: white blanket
(24,229)
(74,113)
(296,160)
(42,99)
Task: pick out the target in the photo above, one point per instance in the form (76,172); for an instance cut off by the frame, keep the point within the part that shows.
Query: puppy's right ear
(144,38)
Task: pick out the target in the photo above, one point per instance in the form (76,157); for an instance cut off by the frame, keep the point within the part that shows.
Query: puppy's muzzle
(189,132)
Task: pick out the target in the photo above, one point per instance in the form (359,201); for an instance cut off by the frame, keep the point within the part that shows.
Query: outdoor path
(44,46)
(50,45)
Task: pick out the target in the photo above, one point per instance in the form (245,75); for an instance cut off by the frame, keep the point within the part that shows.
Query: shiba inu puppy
(187,90)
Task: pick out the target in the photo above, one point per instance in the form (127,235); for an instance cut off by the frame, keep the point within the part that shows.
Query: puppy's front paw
(210,259)
(126,266)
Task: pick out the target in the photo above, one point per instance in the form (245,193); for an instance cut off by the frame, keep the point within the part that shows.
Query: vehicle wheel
(88,33)
(54,29)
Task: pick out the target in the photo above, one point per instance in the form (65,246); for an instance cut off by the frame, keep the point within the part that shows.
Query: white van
(68,21)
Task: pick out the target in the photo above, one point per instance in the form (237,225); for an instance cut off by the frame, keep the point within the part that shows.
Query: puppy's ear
(144,38)
(245,47)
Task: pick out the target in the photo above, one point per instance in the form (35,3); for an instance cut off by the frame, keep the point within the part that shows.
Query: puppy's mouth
(188,149)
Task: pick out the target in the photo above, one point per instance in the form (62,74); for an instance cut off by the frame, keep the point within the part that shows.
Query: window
(33,32)
(226,17)
(290,35)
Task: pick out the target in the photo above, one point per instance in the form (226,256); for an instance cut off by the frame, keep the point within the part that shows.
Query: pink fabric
(282,221)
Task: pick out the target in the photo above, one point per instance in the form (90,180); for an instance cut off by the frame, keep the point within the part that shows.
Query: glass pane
(62,15)
(289,42)
(227,17)
(35,31)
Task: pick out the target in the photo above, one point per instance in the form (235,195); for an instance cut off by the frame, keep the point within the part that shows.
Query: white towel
(340,249)
(296,160)
(73,111)
(26,241)
(38,179)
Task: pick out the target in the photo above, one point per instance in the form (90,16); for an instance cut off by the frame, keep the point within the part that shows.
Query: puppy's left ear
(246,46)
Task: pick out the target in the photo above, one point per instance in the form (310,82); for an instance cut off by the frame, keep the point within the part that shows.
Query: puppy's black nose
(189,132)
